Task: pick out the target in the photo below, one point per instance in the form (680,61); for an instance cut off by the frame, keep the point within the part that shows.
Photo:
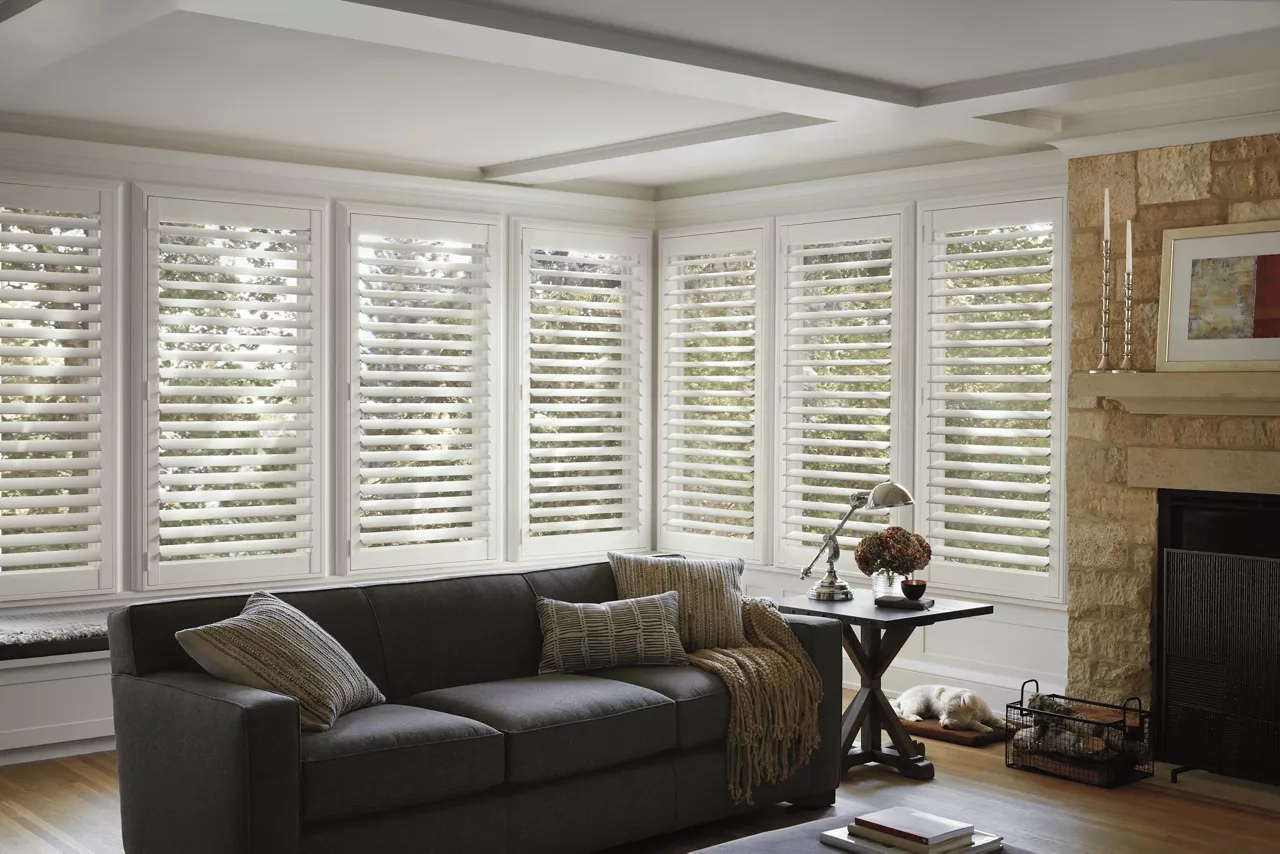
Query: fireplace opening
(1216,633)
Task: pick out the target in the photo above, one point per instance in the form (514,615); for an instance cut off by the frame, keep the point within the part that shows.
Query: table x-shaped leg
(870,710)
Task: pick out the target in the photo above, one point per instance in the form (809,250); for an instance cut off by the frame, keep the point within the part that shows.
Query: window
(583,391)
(838,356)
(235,392)
(422,391)
(58,298)
(990,425)
(711,297)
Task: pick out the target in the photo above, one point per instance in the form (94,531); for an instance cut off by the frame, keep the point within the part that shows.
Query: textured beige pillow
(274,646)
(585,635)
(710,594)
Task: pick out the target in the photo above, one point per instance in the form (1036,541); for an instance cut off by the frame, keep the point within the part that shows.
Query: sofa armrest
(822,639)
(206,765)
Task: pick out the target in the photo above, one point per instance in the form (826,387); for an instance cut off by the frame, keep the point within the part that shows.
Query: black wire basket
(1096,743)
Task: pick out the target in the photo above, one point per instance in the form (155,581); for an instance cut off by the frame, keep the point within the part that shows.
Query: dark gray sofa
(473,751)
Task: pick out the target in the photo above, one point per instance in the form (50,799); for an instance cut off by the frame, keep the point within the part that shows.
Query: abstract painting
(1220,298)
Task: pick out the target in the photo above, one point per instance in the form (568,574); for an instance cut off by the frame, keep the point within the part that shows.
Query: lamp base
(831,589)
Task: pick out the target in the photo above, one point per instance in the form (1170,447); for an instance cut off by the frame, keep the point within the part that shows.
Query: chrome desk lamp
(831,588)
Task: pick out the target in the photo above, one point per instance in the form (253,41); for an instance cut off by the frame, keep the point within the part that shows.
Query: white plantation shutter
(234,392)
(57,301)
(838,356)
(711,296)
(992,417)
(421,394)
(584,391)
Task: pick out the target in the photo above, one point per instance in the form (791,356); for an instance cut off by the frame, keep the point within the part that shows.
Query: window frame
(902,370)
(346,385)
(37,584)
(151,575)
(521,547)
(1048,587)
(759,549)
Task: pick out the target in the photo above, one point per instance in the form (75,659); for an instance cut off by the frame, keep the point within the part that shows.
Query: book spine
(892,831)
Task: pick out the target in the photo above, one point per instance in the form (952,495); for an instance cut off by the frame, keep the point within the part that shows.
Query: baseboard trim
(57,750)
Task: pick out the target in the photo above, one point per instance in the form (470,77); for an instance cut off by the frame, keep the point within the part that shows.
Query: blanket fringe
(774,693)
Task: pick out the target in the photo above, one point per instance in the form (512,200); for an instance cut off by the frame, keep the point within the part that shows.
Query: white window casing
(59,464)
(714,306)
(235,396)
(583,364)
(840,406)
(989,481)
(422,406)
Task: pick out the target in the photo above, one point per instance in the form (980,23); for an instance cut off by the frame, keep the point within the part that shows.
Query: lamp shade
(887,495)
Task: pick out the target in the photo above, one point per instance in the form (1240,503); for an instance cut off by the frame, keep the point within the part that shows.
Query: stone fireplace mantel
(1148,393)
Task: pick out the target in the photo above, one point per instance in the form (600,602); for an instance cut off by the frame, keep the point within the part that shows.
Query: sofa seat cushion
(383,757)
(701,698)
(560,724)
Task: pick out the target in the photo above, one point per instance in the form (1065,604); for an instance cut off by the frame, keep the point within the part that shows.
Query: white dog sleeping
(955,708)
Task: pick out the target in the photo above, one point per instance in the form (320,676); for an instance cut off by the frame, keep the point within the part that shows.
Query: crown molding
(1184,133)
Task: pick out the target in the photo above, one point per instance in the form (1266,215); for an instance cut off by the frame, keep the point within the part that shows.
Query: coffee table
(884,631)
(803,839)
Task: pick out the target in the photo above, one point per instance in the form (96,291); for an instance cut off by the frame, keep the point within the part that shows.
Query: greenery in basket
(895,549)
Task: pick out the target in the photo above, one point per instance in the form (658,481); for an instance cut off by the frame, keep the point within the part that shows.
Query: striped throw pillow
(710,594)
(586,636)
(274,646)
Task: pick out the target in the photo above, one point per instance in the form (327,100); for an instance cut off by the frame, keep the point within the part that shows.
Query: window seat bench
(40,635)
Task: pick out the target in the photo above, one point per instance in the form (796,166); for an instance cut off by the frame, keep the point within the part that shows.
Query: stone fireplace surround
(1117,459)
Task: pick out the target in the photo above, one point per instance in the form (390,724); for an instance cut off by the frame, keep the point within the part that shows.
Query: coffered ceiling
(662,98)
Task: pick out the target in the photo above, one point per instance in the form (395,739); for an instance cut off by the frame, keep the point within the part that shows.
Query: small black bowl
(913,588)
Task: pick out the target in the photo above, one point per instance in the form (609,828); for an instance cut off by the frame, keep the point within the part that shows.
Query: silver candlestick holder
(1126,359)
(1104,366)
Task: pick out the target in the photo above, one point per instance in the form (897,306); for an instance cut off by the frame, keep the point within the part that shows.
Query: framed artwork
(1220,298)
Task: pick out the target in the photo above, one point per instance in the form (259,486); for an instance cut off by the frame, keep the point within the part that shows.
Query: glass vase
(883,583)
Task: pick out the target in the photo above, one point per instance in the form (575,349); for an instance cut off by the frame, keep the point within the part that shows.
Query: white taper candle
(1128,246)
(1106,213)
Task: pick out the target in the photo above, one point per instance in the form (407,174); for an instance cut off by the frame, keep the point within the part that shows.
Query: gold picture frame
(1176,350)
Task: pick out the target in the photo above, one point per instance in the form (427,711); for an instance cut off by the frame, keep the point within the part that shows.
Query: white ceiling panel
(198,74)
(924,43)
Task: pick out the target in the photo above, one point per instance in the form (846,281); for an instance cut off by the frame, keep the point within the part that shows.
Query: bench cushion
(561,724)
(701,698)
(383,757)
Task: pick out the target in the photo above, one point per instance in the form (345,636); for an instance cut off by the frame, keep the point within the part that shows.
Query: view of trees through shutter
(51,392)
(234,389)
(585,390)
(991,407)
(837,358)
(711,348)
(422,395)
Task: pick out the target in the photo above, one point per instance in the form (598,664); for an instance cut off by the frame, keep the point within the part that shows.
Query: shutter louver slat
(838,347)
(584,378)
(990,390)
(232,390)
(53,468)
(711,301)
(423,412)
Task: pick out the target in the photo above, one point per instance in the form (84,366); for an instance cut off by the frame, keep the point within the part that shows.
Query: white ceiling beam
(587,162)
(1043,88)
(35,36)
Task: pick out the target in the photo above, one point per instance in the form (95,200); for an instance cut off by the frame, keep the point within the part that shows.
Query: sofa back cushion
(142,636)
(587,582)
(456,631)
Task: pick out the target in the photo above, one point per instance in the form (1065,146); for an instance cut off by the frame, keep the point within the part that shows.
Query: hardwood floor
(70,805)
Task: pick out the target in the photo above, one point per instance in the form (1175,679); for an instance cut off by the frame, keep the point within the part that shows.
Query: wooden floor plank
(71,805)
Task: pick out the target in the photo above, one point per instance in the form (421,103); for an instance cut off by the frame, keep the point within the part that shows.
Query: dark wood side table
(884,631)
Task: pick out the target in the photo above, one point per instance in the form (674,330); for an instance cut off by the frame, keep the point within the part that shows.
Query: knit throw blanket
(774,691)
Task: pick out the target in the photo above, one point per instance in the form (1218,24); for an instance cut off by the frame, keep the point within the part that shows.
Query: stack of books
(900,829)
